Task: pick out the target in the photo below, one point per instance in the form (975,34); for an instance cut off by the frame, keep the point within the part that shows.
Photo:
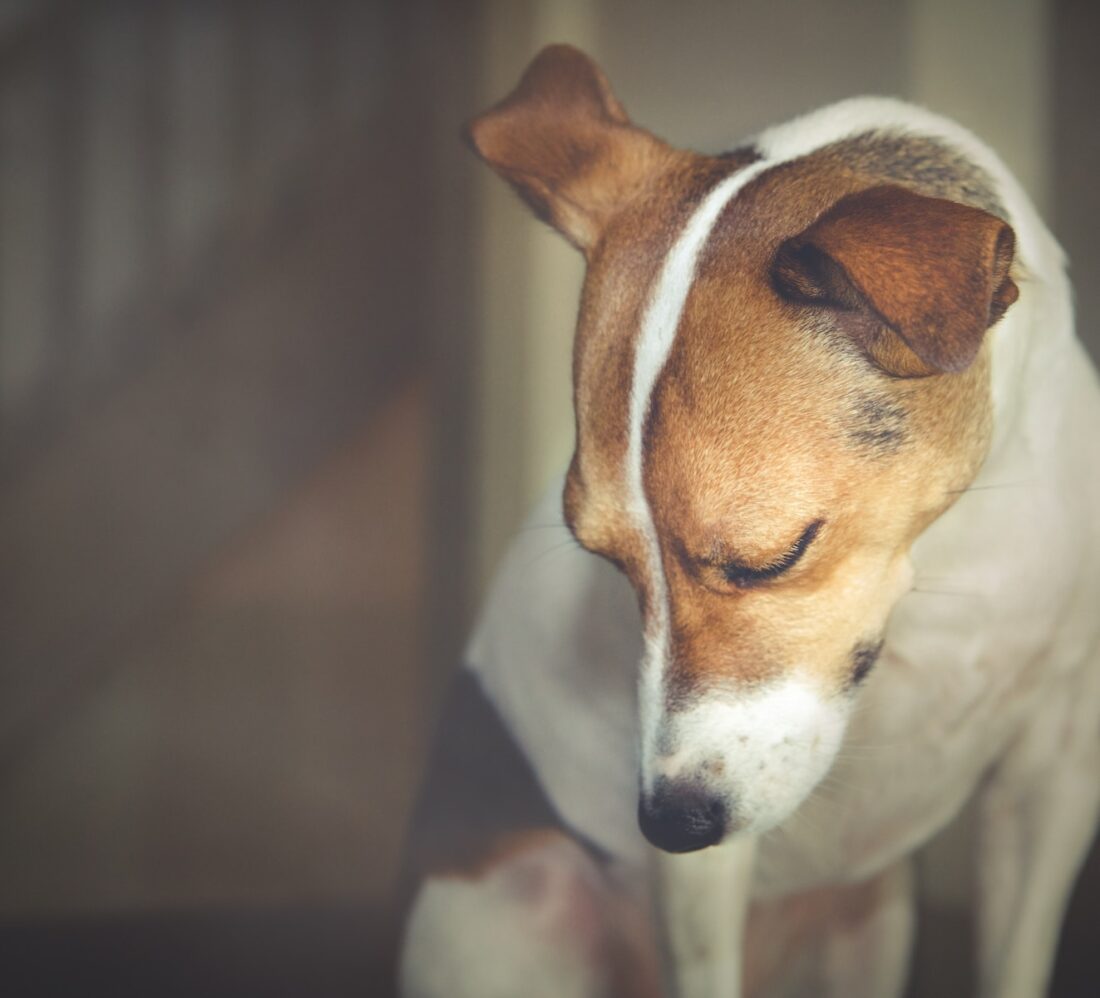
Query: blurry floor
(270,952)
(334,951)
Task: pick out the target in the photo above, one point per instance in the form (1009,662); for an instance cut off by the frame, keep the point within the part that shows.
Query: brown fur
(612,306)
(750,446)
(564,143)
(934,272)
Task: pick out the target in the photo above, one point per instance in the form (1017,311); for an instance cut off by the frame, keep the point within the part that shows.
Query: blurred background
(280,369)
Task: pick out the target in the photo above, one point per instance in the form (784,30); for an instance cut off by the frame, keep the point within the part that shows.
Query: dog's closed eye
(746,576)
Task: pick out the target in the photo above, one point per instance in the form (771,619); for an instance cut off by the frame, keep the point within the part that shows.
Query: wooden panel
(246,397)
(260,743)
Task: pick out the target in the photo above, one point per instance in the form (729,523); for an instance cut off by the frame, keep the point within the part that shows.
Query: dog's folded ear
(915,280)
(564,142)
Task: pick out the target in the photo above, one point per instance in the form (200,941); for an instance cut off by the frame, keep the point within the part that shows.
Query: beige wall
(527,297)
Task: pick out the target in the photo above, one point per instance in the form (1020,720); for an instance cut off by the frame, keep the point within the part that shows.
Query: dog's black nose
(682,817)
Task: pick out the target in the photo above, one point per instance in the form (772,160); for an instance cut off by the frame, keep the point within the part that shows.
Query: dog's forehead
(751,481)
(622,275)
(759,413)
(622,278)
(738,367)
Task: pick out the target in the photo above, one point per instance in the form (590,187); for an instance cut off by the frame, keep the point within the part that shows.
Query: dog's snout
(682,816)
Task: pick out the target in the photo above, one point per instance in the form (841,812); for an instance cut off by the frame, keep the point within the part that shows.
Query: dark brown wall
(1075,121)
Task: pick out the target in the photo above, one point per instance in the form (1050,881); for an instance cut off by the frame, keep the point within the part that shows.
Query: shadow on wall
(222,396)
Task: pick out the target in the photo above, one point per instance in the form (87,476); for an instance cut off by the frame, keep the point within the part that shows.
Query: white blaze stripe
(662,318)
(658,332)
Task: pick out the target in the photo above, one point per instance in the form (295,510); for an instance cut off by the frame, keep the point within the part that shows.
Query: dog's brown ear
(564,142)
(916,280)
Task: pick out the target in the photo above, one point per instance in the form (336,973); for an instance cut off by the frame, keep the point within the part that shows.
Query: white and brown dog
(830,413)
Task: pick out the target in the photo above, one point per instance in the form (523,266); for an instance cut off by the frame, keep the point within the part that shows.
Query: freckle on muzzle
(682,816)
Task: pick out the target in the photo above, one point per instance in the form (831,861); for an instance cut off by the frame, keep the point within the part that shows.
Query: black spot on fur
(928,164)
(863,661)
(878,425)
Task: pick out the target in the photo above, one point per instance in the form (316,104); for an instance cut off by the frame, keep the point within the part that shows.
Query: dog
(836,574)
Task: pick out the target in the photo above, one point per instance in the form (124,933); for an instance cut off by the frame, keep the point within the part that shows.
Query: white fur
(533,919)
(771,745)
(701,928)
(655,339)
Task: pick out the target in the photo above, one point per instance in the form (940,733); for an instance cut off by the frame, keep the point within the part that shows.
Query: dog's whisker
(861,753)
(858,709)
(868,748)
(858,756)
(990,487)
(945,592)
(836,795)
(569,542)
(804,820)
(831,780)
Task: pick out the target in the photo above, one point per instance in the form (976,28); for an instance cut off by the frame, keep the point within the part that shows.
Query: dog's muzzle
(682,816)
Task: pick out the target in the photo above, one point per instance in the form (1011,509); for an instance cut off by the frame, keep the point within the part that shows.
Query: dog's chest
(912,758)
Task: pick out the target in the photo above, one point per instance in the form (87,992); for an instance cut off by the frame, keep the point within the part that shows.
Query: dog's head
(780,381)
